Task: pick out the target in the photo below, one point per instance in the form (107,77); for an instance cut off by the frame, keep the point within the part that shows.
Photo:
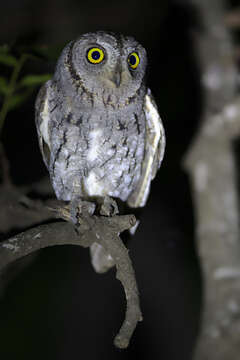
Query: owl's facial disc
(98,56)
(109,64)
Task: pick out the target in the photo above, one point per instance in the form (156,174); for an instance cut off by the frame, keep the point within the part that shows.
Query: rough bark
(100,229)
(211,164)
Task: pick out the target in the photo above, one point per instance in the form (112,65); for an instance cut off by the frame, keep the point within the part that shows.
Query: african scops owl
(98,126)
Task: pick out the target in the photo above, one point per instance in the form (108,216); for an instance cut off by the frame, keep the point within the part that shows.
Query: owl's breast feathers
(98,153)
(99,156)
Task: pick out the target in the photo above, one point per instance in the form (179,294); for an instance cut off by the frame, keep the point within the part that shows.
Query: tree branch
(100,229)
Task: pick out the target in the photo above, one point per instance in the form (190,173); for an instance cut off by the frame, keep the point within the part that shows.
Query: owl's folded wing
(42,118)
(154,151)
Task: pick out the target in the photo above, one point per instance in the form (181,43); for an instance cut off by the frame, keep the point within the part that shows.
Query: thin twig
(4,167)
(11,89)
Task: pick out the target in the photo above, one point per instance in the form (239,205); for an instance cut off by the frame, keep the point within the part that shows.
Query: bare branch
(18,212)
(99,229)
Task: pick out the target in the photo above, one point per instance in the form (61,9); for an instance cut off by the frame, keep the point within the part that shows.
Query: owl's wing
(155,142)
(42,119)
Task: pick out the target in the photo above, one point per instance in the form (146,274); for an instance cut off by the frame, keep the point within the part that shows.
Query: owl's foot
(78,207)
(109,207)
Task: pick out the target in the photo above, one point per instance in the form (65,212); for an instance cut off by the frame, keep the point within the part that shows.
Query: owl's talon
(78,207)
(109,207)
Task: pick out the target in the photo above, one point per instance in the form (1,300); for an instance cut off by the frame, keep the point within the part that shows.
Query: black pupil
(132,60)
(95,55)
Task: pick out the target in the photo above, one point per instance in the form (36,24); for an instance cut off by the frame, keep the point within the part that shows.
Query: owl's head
(109,64)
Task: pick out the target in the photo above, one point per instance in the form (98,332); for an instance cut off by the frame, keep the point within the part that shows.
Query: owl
(98,125)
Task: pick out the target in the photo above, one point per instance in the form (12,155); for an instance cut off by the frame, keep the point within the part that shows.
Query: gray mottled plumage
(98,126)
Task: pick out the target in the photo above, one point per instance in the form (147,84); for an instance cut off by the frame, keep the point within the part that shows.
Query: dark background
(58,307)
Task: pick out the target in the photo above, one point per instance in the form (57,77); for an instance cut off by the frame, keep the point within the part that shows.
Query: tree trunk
(211,165)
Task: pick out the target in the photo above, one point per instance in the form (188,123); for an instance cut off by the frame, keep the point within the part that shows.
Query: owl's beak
(116,76)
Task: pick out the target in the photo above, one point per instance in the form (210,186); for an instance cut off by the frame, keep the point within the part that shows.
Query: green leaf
(8,60)
(33,80)
(3,85)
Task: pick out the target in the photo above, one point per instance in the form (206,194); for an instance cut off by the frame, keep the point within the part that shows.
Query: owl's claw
(78,207)
(109,207)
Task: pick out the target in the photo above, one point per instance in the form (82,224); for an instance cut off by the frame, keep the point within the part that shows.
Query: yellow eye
(95,55)
(133,60)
